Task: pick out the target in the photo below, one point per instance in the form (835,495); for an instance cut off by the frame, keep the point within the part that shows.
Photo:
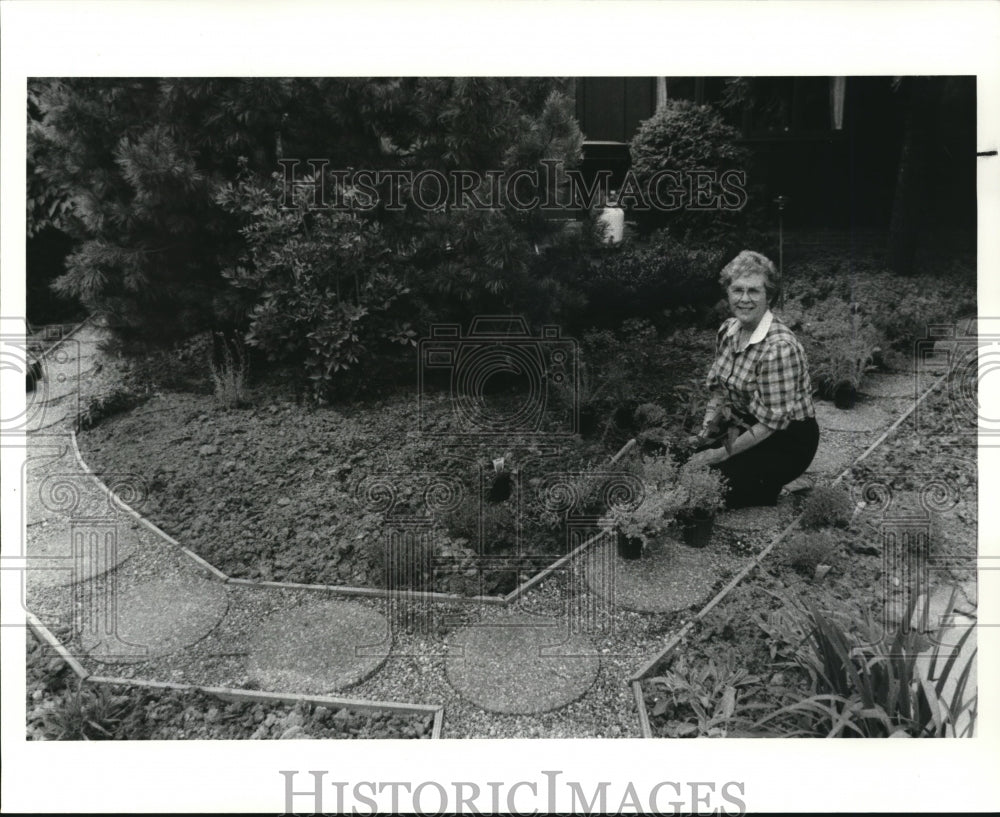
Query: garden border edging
(236,694)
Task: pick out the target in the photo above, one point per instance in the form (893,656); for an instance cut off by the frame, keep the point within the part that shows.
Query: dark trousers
(757,475)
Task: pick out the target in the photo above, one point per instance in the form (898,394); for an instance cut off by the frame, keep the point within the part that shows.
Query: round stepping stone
(324,645)
(890,385)
(46,417)
(61,497)
(55,397)
(674,578)
(864,417)
(60,552)
(521,664)
(151,619)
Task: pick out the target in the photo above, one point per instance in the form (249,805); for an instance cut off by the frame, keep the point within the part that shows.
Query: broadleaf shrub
(325,295)
(661,279)
(840,341)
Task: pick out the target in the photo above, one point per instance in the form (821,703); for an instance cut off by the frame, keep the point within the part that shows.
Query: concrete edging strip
(42,633)
(640,703)
(370,592)
(235,694)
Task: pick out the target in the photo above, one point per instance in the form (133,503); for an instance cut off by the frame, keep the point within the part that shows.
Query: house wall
(831,177)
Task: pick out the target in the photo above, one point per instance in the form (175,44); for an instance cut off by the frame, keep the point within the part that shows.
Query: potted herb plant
(640,524)
(703,492)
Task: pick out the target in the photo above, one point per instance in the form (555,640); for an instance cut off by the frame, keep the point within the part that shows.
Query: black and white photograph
(547,404)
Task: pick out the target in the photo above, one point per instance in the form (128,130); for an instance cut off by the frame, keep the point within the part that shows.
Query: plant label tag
(498,464)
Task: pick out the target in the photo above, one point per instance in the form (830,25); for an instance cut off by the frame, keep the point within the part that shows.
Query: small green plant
(230,376)
(704,490)
(651,517)
(827,506)
(806,550)
(85,714)
(650,415)
(653,437)
(700,702)
(108,404)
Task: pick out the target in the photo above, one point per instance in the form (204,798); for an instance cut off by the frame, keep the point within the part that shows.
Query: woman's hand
(710,456)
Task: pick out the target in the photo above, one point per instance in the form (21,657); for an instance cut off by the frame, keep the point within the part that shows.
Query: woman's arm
(711,413)
(755,435)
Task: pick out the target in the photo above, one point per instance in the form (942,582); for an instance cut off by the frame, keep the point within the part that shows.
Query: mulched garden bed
(60,708)
(282,491)
(739,663)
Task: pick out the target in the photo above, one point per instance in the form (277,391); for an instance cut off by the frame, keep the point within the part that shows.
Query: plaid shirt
(768,379)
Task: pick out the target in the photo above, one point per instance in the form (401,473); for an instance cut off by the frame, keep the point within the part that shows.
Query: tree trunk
(909,200)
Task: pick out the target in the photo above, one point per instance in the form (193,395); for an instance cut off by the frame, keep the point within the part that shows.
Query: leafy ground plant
(102,406)
(84,714)
(868,684)
(58,706)
(701,702)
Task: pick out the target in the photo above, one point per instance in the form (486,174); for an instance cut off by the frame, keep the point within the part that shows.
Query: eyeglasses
(749,292)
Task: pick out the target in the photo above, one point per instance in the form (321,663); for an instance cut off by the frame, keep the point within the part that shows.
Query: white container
(612,220)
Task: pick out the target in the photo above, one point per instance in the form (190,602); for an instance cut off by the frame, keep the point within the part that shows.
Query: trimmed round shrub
(827,506)
(682,138)
(806,550)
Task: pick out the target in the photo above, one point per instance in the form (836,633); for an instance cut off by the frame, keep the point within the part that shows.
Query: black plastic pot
(845,395)
(500,489)
(629,547)
(696,529)
(654,448)
(589,421)
(34,373)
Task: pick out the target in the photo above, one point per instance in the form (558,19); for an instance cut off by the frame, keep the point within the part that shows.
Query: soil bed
(300,494)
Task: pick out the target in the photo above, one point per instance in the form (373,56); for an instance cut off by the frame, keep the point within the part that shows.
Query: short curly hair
(747,263)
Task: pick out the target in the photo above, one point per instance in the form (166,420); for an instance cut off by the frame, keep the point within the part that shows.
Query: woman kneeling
(760,402)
